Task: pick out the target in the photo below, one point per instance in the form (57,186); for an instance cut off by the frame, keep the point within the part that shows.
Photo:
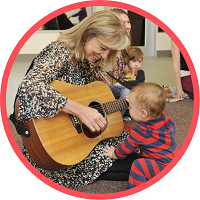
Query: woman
(67,60)
(117,69)
(181,74)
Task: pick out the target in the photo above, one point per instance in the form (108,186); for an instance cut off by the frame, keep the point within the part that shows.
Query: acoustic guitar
(64,140)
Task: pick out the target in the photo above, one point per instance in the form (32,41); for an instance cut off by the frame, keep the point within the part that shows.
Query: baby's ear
(144,114)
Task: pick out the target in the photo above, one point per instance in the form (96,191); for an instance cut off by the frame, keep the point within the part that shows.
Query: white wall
(150,39)
(38,41)
(163,41)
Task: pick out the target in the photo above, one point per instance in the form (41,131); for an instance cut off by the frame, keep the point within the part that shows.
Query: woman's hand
(89,116)
(180,94)
(110,152)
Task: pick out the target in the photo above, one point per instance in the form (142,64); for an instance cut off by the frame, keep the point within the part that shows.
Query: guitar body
(55,143)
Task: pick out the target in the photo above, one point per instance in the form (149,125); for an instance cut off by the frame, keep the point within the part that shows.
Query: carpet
(181,112)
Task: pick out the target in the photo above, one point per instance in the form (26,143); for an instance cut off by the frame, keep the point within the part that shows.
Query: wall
(163,41)
(163,44)
(40,39)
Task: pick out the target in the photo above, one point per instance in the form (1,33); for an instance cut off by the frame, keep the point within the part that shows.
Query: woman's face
(94,49)
(126,22)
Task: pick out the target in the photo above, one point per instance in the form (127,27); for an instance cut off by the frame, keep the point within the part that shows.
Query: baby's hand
(109,151)
(127,98)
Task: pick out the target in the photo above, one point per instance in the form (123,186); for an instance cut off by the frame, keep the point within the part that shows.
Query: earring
(83,43)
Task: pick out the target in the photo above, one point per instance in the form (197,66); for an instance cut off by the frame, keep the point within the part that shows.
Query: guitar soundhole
(100,109)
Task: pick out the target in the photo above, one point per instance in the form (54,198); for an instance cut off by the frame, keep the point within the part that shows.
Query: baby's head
(147,101)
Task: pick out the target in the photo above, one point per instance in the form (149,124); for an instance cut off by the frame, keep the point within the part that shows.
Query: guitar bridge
(76,123)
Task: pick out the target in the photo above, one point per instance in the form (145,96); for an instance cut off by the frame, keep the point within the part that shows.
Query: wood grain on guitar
(58,142)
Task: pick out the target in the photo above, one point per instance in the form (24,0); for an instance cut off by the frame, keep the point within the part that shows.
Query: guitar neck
(114,106)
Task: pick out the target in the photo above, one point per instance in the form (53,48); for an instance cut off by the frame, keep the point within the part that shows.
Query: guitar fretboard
(114,106)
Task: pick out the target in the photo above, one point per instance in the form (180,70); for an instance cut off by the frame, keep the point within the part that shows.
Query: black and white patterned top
(37,99)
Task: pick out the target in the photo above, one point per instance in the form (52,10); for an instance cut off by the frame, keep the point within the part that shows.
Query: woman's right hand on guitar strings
(89,116)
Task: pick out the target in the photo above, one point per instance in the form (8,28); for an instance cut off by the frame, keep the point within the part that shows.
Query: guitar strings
(110,104)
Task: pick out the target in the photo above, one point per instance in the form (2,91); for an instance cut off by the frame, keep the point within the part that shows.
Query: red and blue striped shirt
(155,138)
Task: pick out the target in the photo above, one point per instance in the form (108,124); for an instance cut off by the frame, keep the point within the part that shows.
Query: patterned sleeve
(36,97)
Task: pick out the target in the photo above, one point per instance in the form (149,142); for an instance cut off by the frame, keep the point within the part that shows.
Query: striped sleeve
(127,147)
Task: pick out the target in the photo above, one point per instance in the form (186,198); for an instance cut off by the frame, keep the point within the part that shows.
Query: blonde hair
(150,97)
(131,53)
(120,11)
(102,23)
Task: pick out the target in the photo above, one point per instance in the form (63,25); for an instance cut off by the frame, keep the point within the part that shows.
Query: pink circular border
(14,54)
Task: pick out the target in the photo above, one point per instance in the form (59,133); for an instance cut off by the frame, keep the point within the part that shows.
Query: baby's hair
(150,97)
(131,53)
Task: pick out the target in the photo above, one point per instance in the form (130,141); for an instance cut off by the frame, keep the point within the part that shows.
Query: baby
(154,135)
